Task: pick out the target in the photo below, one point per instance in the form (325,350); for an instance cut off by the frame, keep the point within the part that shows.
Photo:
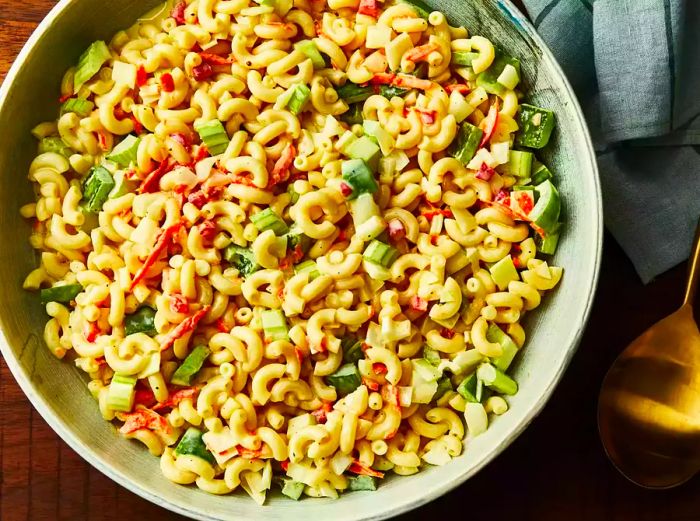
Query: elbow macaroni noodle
(264,402)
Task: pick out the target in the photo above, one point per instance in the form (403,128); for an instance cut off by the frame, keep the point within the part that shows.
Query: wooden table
(556,470)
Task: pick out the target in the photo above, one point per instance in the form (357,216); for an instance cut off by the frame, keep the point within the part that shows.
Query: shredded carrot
(215,59)
(421,52)
(160,245)
(369,8)
(143,419)
(150,184)
(358,468)
(280,172)
(248,453)
(91,331)
(459,87)
(177,397)
(221,326)
(371,384)
(184,327)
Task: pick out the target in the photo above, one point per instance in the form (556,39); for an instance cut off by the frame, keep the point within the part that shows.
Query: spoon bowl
(649,405)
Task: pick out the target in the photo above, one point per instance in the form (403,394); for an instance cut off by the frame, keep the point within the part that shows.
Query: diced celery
(380,253)
(120,395)
(274,325)
(504,272)
(90,63)
(269,220)
(292,489)
(141,321)
(54,144)
(213,135)
(81,107)
(362,483)
(125,152)
(309,48)
(298,98)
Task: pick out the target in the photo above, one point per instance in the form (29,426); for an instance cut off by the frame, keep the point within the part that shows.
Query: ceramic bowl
(58,391)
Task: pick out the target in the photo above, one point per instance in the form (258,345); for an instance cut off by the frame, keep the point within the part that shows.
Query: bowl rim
(85,452)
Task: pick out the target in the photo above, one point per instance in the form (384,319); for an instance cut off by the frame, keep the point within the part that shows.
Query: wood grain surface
(555,471)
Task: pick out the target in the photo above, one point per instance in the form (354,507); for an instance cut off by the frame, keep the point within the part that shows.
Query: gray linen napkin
(635,65)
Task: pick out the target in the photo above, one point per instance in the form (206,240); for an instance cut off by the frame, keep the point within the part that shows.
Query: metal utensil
(649,405)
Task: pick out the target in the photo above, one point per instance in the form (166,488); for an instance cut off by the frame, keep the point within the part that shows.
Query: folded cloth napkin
(634,65)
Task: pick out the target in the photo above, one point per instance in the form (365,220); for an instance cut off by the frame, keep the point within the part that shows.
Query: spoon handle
(693,269)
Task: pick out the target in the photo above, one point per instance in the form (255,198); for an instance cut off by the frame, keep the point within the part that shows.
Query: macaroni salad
(292,242)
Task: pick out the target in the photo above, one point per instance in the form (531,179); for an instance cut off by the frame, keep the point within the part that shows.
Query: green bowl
(57,389)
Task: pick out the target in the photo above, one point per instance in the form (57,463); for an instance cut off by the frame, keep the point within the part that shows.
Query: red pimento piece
(120,113)
(371,384)
(202,72)
(215,59)
(197,198)
(100,360)
(144,397)
(141,76)
(418,304)
(488,125)
(102,140)
(379,368)
(179,303)
(300,354)
(161,244)
(138,127)
(447,332)
(427,116)
(248,453)
(369,8)
(459,87)
(143,419)
(345,189)
(524,201)
(166,82)
(358,468)
(202,152)
(178,13)
(207,229)
(184,327)
(177,397)
(485,172)
(280,172)
(221,326)
(221,48)
(65,98)
(285,465)
(396,230)
(181,138)
(150,184)
(91,331)
(321,414)
(434,239)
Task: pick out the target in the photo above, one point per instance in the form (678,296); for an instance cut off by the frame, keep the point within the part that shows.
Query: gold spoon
(649,405)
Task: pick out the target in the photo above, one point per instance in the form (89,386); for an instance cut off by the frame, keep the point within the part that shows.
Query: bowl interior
(57,389)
